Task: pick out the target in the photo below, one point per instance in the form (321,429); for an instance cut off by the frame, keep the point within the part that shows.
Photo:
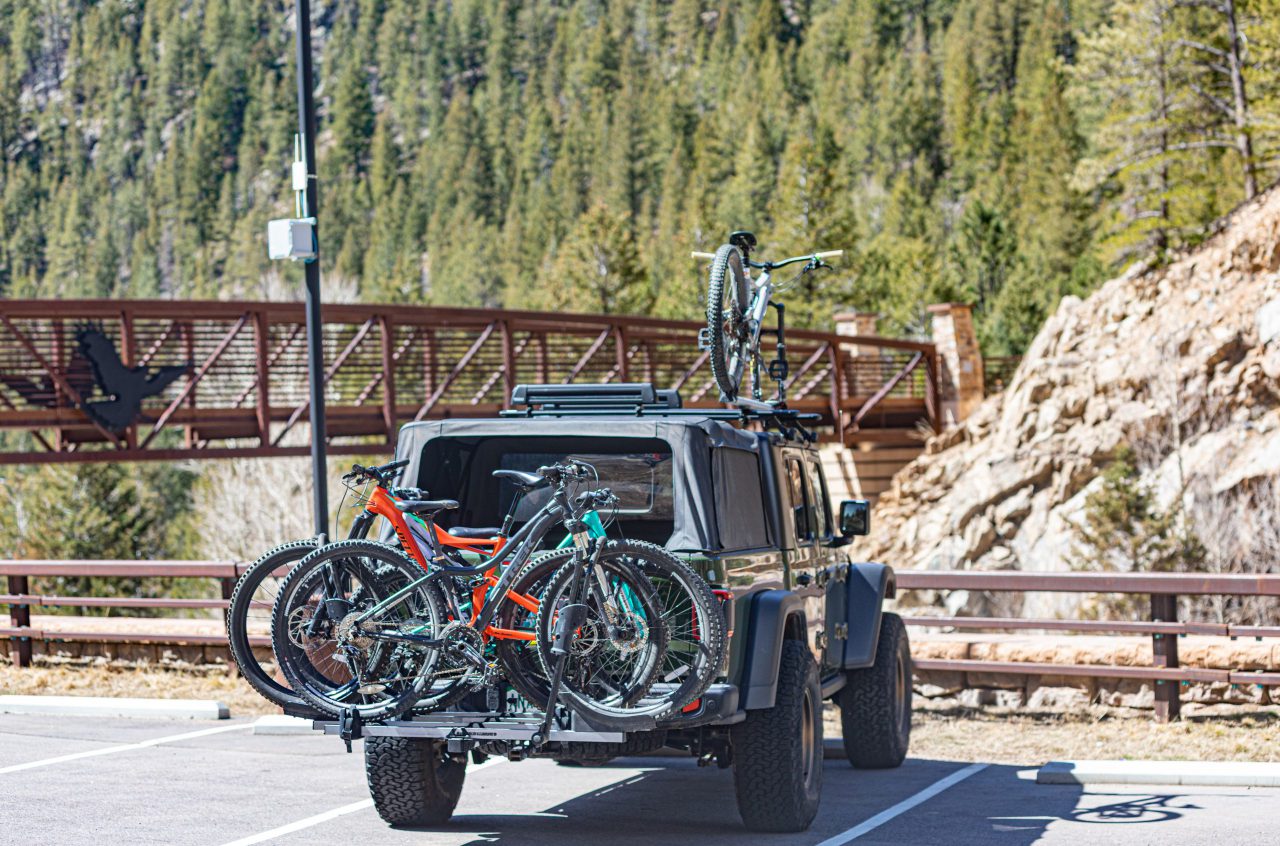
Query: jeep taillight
(726,604)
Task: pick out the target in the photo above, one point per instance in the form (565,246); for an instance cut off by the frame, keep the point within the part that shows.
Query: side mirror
(855,517)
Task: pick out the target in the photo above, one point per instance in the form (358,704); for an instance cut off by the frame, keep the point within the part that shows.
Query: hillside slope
(1180,363)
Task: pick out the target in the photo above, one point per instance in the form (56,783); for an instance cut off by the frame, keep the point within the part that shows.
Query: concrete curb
(1188,773)
(281,724)
(107,706)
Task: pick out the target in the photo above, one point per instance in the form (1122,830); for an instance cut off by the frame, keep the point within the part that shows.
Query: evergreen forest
(568,154)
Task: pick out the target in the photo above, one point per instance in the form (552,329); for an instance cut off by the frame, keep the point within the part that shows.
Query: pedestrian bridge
(226,379)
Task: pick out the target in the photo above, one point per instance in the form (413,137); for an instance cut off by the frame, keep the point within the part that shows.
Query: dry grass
(1030,738)
(940,732)
(97,678)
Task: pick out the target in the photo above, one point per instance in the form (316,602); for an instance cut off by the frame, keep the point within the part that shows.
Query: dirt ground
(98,678)
(1030,738)
(939,731)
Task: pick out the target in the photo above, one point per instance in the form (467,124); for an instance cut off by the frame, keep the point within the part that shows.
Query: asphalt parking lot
(67,780)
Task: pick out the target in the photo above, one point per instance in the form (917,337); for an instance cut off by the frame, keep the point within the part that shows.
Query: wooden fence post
(20,618)
(1164,652)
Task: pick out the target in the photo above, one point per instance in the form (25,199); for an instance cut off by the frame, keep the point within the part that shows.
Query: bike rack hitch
(349,727)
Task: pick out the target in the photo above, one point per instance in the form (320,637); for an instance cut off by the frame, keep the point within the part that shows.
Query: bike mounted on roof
(736,309)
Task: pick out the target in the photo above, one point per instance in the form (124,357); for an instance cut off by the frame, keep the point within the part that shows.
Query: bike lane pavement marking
(902,807)
(331,814)
(123,747)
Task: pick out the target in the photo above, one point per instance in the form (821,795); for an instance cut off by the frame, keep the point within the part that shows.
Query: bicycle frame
(492,591)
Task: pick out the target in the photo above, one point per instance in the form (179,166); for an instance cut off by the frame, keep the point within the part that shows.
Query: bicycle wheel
(332,658)
(728,298)
(519,658)
(249,616)
(694,619)
(616,654)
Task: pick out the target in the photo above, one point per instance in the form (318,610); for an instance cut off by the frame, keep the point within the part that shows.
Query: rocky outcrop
(1182,363)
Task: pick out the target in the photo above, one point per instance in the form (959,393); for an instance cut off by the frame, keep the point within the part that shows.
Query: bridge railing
(1163,589)
(246,390)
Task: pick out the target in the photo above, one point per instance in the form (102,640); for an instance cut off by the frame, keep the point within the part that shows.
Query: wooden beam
(262,378)
(388,377)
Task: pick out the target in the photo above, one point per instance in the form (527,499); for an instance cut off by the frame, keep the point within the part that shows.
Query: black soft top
(716,471)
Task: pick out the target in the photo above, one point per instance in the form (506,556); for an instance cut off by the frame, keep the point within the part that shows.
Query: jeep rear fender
(773,616)
(855,601)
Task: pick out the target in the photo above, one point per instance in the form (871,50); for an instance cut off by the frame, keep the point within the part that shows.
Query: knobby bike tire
(519,659)
(696,629)
(727,283)
(295,663)
(284,555)
(626,709)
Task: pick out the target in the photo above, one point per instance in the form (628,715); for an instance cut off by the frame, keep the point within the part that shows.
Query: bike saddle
(426,506)
(524,481)
(743,240)
(470,533)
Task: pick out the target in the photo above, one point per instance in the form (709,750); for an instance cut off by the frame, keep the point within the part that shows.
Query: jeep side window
(817,485)
(801,507)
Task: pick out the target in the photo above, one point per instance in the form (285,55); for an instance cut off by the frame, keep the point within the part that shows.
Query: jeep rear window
(640,480)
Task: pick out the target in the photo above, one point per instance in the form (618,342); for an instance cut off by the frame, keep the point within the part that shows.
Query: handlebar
(595,499)
(382,474)
(824,254)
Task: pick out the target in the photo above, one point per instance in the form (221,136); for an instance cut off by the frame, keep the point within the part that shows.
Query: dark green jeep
(742,496)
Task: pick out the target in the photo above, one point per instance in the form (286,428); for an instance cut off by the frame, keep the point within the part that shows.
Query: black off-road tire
(875,704)
(411,780)
(777,752)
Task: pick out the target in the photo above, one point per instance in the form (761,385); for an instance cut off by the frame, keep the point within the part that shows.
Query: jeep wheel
(875,705)
(411,780)
(777,752)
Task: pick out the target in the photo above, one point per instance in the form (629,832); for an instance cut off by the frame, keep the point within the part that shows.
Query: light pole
(315,328)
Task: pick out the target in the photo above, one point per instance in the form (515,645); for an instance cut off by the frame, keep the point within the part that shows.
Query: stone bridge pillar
(865,379)
(962,383)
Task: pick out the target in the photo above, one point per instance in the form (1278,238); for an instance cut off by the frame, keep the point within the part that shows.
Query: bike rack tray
(473,726)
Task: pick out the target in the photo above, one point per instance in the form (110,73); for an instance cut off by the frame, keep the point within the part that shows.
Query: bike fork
(571,618)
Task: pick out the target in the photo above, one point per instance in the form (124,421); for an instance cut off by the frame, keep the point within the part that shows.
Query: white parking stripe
(331,814)
(903,806)
(124,747)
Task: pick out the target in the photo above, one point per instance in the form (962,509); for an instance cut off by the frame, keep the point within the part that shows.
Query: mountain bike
(249,609)
(736,308)
(607,639)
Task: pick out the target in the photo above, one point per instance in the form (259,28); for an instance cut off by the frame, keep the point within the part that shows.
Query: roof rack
(644,400)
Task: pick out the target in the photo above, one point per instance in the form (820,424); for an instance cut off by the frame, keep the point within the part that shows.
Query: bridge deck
(246,390)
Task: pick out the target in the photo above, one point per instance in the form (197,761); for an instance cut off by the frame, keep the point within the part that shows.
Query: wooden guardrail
(1163,589)
(20,600)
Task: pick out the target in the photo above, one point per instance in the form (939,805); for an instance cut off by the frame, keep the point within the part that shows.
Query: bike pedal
(778,370)
(704,338)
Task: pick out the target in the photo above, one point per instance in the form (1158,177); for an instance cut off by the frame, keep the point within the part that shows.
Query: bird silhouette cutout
(127,387)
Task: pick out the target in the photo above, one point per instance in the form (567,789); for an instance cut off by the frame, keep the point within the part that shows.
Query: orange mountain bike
(390,616)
